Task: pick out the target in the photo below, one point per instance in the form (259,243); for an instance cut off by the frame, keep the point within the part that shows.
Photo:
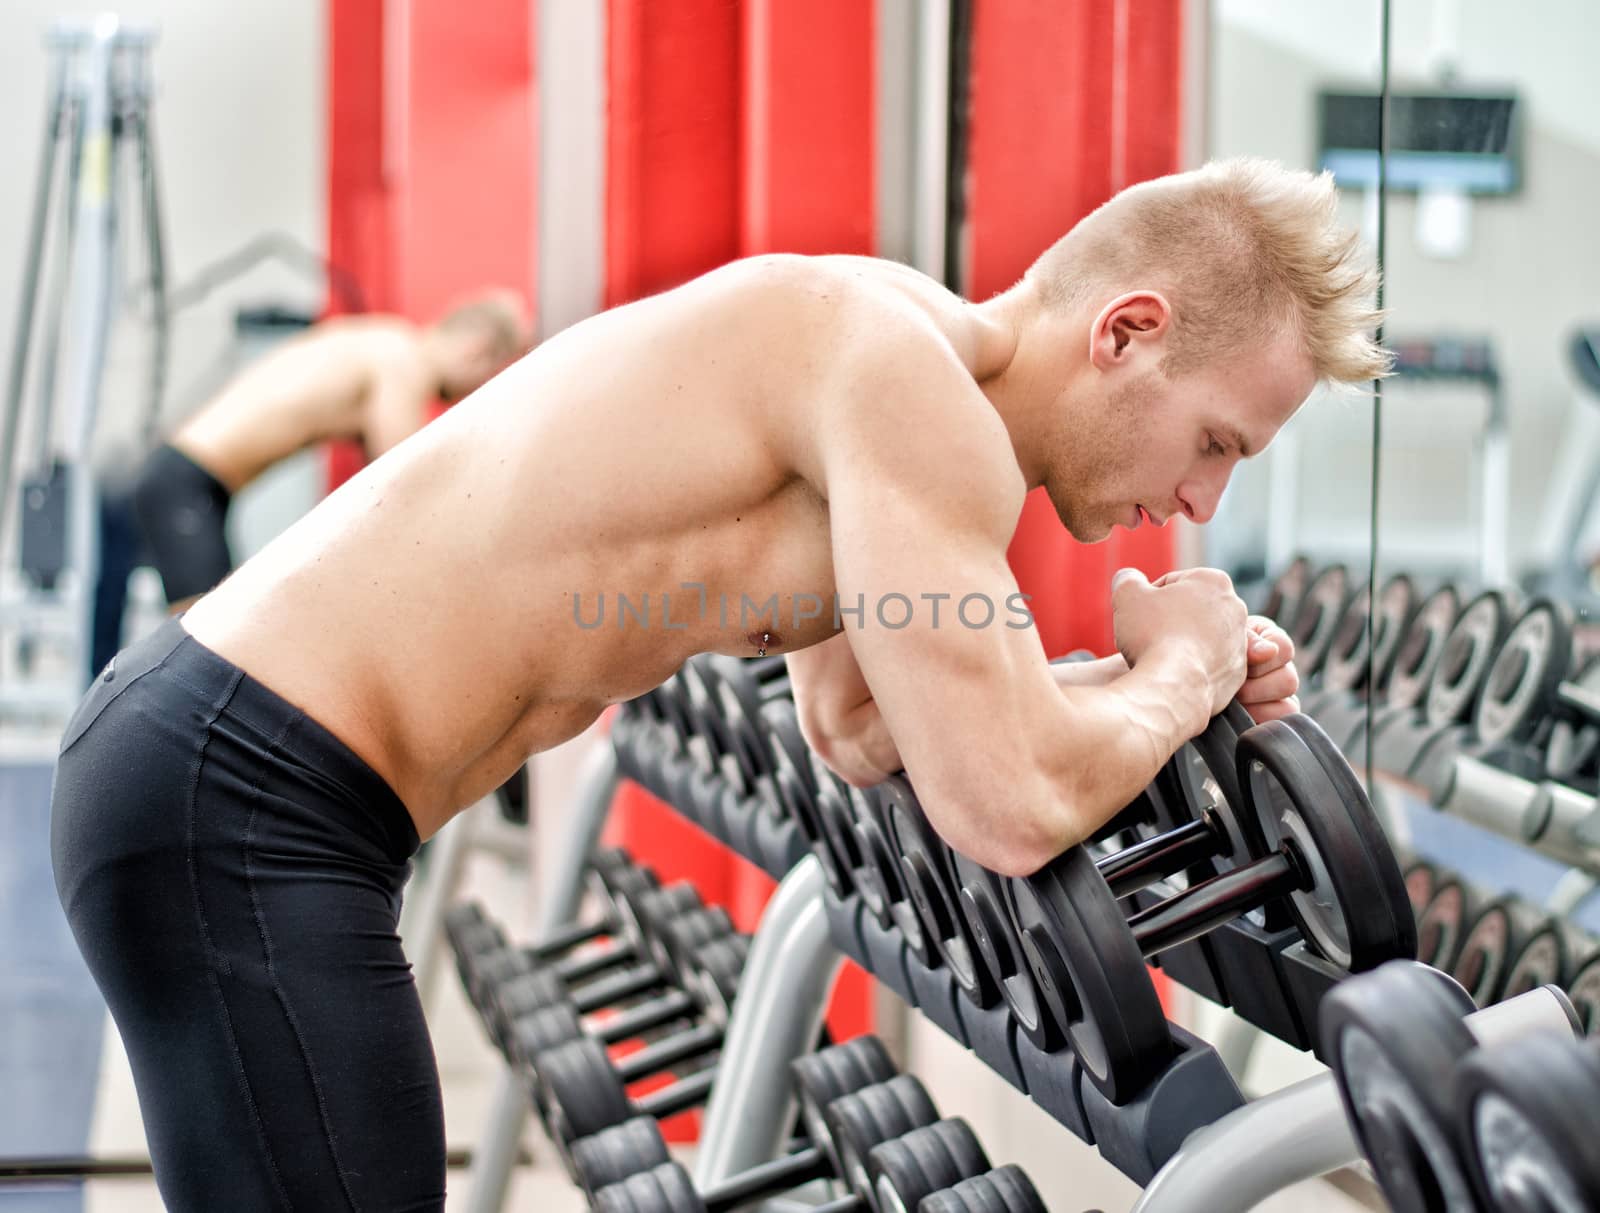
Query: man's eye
(1213,447)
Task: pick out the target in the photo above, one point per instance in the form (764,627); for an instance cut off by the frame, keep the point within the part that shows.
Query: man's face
(1155,448)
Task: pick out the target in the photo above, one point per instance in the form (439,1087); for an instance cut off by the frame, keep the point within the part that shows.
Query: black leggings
(232,873)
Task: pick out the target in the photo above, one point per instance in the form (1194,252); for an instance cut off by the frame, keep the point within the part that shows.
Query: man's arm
(1010,768)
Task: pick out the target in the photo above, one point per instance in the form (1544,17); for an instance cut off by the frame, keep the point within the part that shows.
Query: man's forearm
(1096,673)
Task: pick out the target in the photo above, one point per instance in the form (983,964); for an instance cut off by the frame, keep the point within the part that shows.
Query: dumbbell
(667,1188)
(1499,932)
(484,959)
(1288,588)
(1394,1039)
(1317,847)
(1549,956)
(743,687)
(1347,665)
(1422,878)
(1316,621)
(1574,741)
(839,848)
(881,1111)
(1442,925)
(1189,827)
(1469,651)
(1520,690)
(640,963)
(580,1090)
(793,777)
(1005,1189)
(924,1161)
(861,1121)
(704,960)
(1529,1113)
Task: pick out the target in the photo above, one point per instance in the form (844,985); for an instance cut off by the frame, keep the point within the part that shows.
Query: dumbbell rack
(806,932)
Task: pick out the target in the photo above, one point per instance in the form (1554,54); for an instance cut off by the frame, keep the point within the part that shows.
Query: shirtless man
(237,797)
(368,378)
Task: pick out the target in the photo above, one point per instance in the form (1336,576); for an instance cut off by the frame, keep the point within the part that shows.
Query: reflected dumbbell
(1419,650)
(1318,849)
(1469,651)
(1346,666)
(1316,621)
(1584,989)
(1529,1112)
(1520,689)
(1497,939)
(1571,751)
(1549,956)
(1442,925)
(1287,589)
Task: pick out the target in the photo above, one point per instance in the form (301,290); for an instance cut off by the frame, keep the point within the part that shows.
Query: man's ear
(1129,325)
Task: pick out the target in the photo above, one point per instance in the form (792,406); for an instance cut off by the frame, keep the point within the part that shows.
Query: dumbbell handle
(1580,699)
(573,969)
(664,1054)
(1207,905)
(564,939)
(780,1175)
(636,1020)
(679,1097)
(629,983)
(1144,863)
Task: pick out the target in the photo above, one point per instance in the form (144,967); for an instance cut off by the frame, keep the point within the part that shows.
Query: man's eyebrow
(1236,439)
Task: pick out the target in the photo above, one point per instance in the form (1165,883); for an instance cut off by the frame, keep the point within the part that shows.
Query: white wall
(1530,273)
(240,119)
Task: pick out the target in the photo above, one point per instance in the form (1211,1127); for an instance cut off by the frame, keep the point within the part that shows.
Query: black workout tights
(232,873)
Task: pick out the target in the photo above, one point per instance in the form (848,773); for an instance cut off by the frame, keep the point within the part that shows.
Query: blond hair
(1243,249)
(498,315)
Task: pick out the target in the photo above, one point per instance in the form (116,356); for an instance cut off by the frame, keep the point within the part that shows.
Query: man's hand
(1270,680)
(1191,616)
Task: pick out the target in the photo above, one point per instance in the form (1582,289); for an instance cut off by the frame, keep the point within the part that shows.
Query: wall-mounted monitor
(1468,142)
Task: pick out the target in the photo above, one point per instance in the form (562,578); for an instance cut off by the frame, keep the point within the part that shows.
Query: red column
(1066,107)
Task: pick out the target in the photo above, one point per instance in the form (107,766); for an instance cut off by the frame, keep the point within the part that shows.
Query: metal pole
(496,1153)
(783,995)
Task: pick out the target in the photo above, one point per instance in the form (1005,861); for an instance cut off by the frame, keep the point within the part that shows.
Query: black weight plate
(1344,666)
(1288,588)
(823,1076)
(1201,780)
(1469,651)
(664,1188)
(1383,864)
(1519,691)
(1348,911)
(877,880)
(912,840)
(679,940)
(1443,925)
(928,876)
(578,1090)
(645,916)
(715,973)
(1574,744)
(922,1162)
(984,906)
(1006,1189)
(613,1154)
(860,1121)
(1421,646)
(1317,620)
(838,850)
(1530,1113)
(1089,973)
(544,1028)
(1584,990)
(1394,1038)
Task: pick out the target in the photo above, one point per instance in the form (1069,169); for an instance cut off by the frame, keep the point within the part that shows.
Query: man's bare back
(425,612)
(359,377)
